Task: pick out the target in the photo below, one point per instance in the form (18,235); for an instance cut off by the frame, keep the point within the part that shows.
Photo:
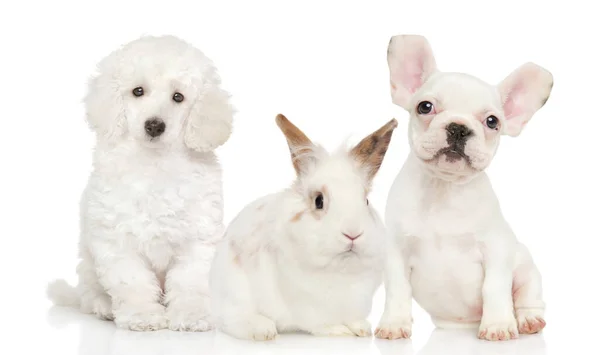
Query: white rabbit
(308,258)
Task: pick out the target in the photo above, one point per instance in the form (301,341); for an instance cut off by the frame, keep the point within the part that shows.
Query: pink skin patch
(476,311)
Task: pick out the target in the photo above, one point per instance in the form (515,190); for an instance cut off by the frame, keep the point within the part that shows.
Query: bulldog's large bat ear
(523,92)
(411,63)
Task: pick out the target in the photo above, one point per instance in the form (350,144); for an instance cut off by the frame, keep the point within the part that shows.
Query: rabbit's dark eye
(139,91)
(367,202)
(319,202)
(177,97)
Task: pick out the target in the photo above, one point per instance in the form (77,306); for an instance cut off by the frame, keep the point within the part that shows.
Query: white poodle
(153,208)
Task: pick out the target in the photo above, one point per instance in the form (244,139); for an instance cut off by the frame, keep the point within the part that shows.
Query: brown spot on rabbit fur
(235,250)
(297,216)
(257,229)
(249,251)
(237,260)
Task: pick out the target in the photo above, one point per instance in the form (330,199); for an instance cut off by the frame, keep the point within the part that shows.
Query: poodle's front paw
(530,321)
(188,320)
(99,305)
(148,318)
(394,329)
(499,330)
(102,308)
(360,328)
(333,331)
(257,327)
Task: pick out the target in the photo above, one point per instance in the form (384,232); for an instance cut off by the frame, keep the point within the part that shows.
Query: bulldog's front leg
(498,320)
(396,321)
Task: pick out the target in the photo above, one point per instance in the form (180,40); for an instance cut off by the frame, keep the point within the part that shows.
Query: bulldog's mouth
(452,155)
(450,160)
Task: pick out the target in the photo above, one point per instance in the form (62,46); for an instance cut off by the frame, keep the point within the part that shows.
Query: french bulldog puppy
(450,246)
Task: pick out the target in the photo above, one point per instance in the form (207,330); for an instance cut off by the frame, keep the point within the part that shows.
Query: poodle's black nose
(154,127)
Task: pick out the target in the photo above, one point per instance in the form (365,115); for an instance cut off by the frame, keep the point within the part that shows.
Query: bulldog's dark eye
(491,122)
(177,97)
(424,107)
(319,202)
(139,91)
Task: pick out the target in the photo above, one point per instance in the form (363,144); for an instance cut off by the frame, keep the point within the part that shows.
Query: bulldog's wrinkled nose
(154,127)
(457,132)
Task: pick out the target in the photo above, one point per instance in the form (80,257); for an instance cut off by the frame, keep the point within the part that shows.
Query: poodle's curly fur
(152,210)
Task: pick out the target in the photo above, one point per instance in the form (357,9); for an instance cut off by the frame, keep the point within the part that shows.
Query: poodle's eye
(319,202)
(139,91)
(177,97)
(367,202)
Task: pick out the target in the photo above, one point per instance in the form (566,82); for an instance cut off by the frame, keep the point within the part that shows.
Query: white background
(323,64)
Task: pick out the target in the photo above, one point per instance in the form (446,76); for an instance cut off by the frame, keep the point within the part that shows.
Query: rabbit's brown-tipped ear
(370,151)
(299,144)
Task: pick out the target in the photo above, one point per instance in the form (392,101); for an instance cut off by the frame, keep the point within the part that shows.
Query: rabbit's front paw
(360,328)
(257,327)
(333,331)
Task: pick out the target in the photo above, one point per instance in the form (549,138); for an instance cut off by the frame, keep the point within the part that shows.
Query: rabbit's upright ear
(370,151)
(300,146)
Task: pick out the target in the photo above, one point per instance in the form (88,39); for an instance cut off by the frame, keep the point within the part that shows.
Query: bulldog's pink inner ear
(411,76)
(513,104)
(411,62)
(524,92)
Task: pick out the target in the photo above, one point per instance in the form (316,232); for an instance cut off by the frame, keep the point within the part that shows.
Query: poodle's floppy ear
(370,151)
(299,144)
(210,121)
(105,110)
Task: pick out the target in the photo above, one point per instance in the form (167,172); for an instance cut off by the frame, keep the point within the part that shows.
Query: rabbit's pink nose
(352,236)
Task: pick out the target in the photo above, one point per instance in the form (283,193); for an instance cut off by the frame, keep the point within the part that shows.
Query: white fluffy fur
(285,266)
(152,211)
(450,246)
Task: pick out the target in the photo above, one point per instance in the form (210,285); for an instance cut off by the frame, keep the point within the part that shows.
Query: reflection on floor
(103,338)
